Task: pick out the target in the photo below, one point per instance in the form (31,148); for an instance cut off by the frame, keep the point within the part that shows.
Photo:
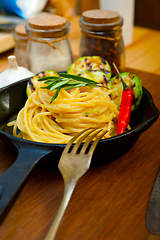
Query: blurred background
(141,17)
(146,13)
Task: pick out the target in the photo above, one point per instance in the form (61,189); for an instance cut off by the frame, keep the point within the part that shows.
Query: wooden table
(109,201)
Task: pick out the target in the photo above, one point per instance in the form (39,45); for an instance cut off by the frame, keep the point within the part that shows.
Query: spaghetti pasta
(72,111)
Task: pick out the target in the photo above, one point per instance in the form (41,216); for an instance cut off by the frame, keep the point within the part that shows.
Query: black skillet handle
(13,180)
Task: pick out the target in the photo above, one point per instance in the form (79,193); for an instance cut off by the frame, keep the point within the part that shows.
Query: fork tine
(96,142)
(69,144)
(85,146)
(78,143)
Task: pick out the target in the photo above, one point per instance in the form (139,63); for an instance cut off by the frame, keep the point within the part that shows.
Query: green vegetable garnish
(133,82)
(67,81)
(33,83)
(90,63)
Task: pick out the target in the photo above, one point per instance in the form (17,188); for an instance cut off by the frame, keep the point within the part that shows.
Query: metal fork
(72,165)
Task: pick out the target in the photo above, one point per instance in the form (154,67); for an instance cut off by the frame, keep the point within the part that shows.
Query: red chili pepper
(126,105)
(125,110)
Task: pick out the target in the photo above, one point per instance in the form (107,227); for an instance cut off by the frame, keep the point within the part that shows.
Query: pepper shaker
(48,45)
(102,36)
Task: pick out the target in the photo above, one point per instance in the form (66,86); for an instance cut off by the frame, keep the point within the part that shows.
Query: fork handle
(66,197)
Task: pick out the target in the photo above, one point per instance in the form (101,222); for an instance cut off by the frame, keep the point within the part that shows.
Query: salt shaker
(102,36)
(21,40)
(48,45)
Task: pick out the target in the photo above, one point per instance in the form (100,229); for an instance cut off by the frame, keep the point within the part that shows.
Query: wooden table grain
(109,201)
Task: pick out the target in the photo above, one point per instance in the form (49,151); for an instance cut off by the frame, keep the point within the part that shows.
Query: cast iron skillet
(12,99)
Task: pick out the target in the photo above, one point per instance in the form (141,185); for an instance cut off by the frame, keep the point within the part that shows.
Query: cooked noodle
(72,111)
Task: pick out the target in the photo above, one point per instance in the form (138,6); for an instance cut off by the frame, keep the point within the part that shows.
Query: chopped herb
(96,111)
(86,113)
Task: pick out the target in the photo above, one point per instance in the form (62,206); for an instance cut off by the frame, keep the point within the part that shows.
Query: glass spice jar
(102,36)
(21,40)
(48,46)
